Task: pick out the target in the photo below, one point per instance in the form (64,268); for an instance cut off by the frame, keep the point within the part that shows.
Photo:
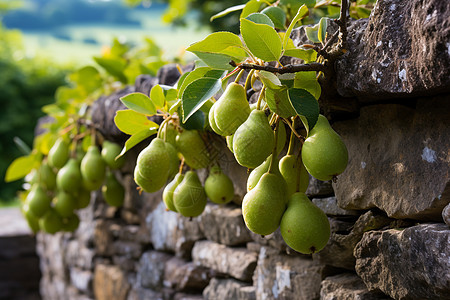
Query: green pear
(189,196)
(83,198)
(281,138)
(324,154)
(58,154)
(109,153)
(38,201)
(51,222)
(229,140)
(218,186)
(256,174)
(174,160)
(294,173)
(47,176)
(212,121)
(194,150)
(65,204)
(152,166)
(71,223)
(69,177)
(304,227)
(169,133)
(232,109)
(93,168)
(168,192)
(113,192)
(253,141)
(33,222)
(264,205)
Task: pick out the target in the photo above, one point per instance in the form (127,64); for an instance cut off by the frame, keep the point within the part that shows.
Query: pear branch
(318,67)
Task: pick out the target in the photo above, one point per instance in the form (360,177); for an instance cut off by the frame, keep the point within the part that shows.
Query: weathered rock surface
(151,269)
(412,263)
(224,289)
(224,225)
(348,286)
(402,50)
(329,206)
(181,275)
(446,214)
(110,283)
(339,250)
(318,188)
(280,276)
(414,183)
(237,262)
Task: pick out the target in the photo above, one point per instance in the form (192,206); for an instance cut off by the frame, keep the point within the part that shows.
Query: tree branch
(281,70)
(342,23)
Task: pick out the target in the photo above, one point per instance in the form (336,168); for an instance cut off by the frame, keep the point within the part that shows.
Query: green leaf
(137,138)
(197,93)
(217,61)
(260,18)
(195,122)
(270,80)
(278,101)
(199,73)
(20,167)
(295,4)
(301,13)
(88,77)
(216,42)
(139,103)
(227,11)
(262,40)
(277,15)
(250,7)
(322,30)
(308,81)
(131,122)
(305,105)
(157,96)
(114,66)
(308,55)
(184,75)
(313,33)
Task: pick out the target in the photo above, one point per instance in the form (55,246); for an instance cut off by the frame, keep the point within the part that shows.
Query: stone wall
(389,211)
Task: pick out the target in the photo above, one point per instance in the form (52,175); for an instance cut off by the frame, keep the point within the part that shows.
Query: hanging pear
(93,168)
(281,139)
(71,223)
(256,174)
(304,227)
(189,196)
(152,166)
(232,109)
(47,176)
(229,140)
(169,133)
(324,154)
(38,201)
(194,150)
(109,153)
(264,205)
(113,192)
(253,141)
(173,159)
(69,177)
(51,222)
(58,154)
(65,204)
(218,186)
(33,221)
(212,121)
(83,198)
(294,173)
(168,192)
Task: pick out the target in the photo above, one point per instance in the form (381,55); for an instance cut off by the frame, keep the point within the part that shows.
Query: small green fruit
(189,196)
(304,227)
(174,160)
(38,201)
(69,177)
(212,121)
(294,173)
(83,198)
(109,153)
(58,154)
(169,133)
(51,222)
(32,221)
(229,140)
(65,204)
(194,150)
(71,223)
(93,168)
(113,191)
(256,174)
(168,192)
(218,186)
(324,154)
(47,177)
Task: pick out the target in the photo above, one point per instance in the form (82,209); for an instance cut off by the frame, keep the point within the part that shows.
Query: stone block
(103,237)
(348,286)
(144,294)
(318,188)
(150,273)
(236,262)
(224,225)
(446,214)
(280,276)
(79,256)
(127,249)
(223,289)
(181,275)
(411,184)
(330,207)
(412,263)
(110,282)
(81,280)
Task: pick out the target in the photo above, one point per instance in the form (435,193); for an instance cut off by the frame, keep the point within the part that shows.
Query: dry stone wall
(389,211)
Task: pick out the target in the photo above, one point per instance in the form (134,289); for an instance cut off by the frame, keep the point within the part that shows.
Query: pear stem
(239,76)
(274,151)
(291,144)
(261,95)
(292,129)
(162,127)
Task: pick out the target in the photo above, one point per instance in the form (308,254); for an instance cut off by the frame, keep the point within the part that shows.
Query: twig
(281,70)
(342,23)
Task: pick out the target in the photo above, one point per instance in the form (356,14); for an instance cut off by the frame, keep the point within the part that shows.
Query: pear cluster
(63,183)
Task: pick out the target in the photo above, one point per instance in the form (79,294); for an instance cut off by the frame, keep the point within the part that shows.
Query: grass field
(74,48)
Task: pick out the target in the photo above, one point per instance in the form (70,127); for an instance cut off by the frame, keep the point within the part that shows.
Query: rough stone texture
(414,183)
(237,262)
(446,214)
(223,289)
(339,250)
(81,280)
(280,276)
(110,283)
(330,207)
(347,286)
(318,188)
(151,269)
(181,275)
(412,263)
(402,50)
(224,225)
